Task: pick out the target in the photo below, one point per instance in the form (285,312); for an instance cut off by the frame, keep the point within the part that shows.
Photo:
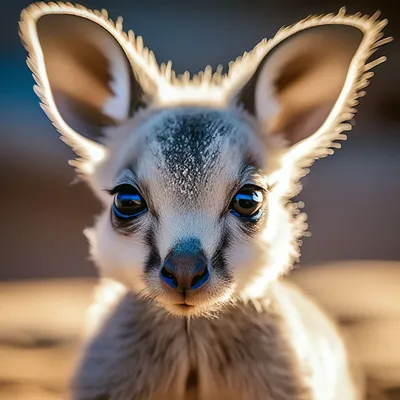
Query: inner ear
(296,86)
(89,74)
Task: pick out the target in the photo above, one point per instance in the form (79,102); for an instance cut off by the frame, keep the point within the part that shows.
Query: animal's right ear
(90,74)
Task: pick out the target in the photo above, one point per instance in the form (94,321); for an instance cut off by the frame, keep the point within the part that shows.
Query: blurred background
(352,199)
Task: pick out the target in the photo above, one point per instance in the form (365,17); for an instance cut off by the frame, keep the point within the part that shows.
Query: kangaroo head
(196,173)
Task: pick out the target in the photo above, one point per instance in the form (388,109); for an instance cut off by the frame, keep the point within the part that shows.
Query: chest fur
(140,353)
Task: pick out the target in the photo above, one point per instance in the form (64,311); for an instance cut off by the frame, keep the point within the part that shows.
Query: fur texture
(205,166)
(281,347)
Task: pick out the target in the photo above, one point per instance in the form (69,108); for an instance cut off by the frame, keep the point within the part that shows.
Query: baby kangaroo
(196,175)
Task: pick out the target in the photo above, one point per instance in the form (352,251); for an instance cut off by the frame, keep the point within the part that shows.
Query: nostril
(168,277)
(200,279)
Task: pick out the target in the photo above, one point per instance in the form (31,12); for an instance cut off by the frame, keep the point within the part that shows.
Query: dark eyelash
(125,188)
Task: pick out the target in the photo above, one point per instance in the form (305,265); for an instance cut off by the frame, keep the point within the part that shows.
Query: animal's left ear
(303,84)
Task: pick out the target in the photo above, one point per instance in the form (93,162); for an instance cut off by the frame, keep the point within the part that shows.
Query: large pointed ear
(90,74)
(303,85)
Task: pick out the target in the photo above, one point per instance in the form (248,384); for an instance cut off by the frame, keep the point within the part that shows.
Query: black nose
(185,268)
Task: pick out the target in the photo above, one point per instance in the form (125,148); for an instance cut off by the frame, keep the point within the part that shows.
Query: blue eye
(128,205)
(247,203)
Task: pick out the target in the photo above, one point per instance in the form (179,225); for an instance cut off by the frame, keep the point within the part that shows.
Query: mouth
(195,303)
(185,306)
(182,309)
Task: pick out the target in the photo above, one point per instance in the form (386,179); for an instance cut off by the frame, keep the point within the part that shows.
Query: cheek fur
(277,246)
(117,256)
(258,254)
(245,257)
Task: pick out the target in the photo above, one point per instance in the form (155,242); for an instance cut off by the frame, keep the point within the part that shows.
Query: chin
(185,310)
(195,306)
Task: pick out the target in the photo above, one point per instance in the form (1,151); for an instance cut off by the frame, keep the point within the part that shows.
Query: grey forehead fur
(187,144)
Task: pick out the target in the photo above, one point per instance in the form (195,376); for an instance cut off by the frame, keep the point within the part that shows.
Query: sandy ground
(40,332)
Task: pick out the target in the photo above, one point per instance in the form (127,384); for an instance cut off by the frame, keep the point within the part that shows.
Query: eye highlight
(128,202)
(247,203)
